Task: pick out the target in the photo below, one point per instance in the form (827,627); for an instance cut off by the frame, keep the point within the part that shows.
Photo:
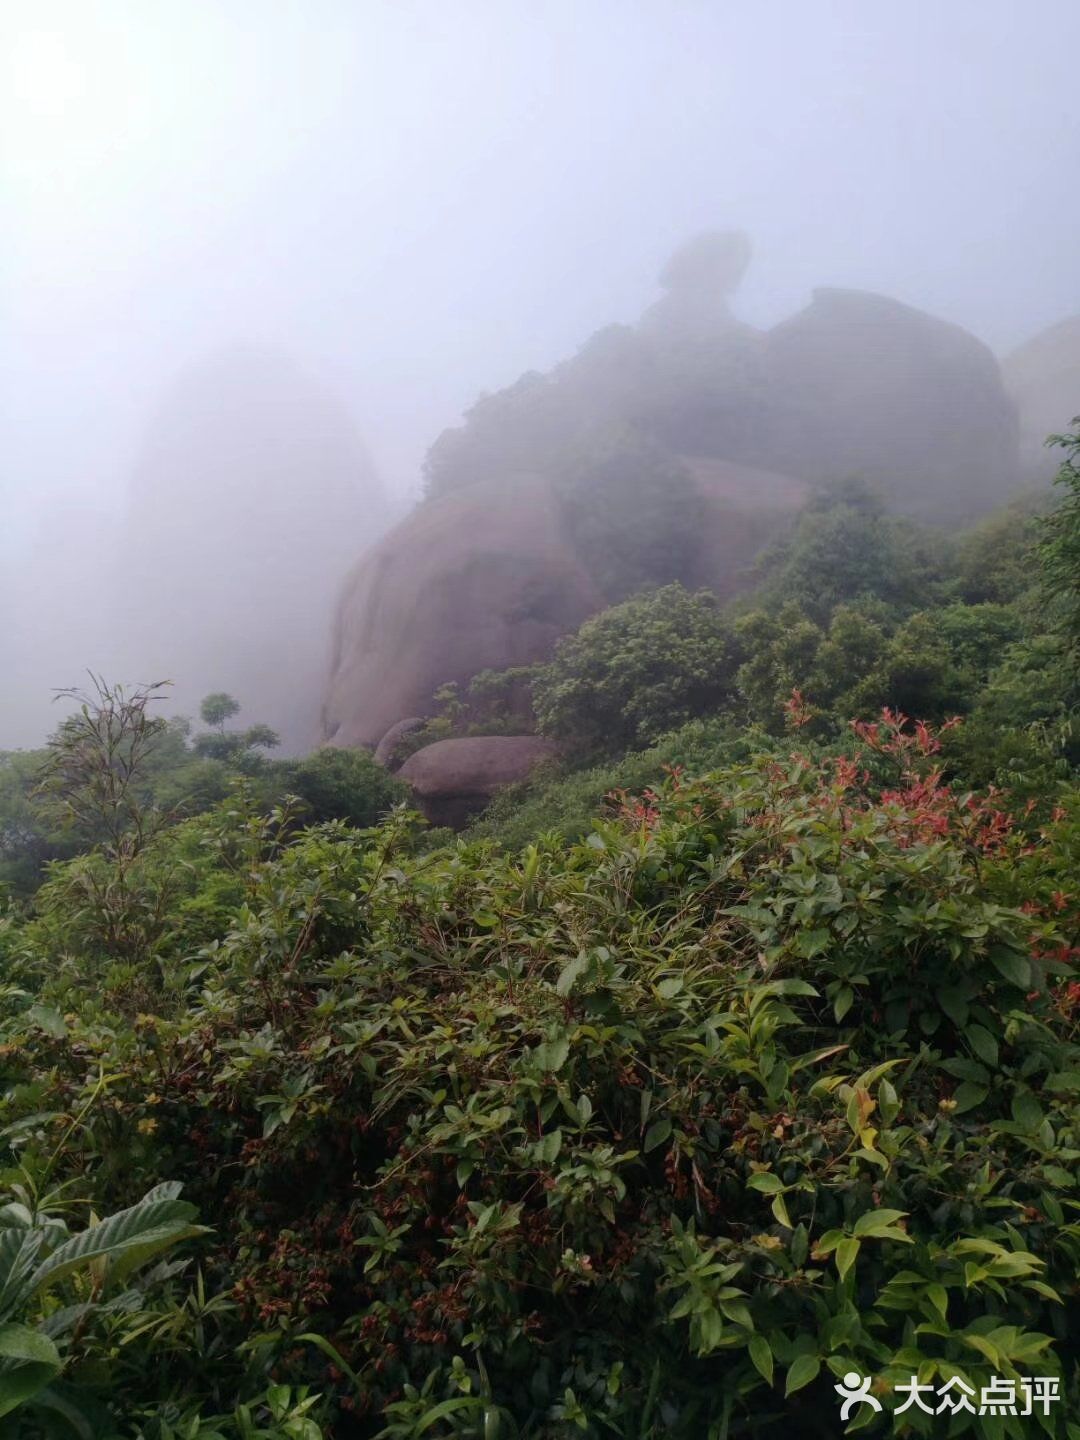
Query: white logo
(855,1391)
(1002,1396)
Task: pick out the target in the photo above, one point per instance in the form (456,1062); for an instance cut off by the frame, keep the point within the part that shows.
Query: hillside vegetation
(738,1052)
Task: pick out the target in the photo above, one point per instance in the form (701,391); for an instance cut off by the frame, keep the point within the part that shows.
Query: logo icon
(855,1390)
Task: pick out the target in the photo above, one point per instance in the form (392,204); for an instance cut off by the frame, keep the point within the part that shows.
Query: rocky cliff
(673,449)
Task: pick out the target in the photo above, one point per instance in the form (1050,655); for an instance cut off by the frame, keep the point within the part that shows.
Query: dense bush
(655,1135)
(637,670)
(846,547)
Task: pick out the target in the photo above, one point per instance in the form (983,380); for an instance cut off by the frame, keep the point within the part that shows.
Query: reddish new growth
(797,712)
(644,812)
(641,812)
(890,735)
(928,808)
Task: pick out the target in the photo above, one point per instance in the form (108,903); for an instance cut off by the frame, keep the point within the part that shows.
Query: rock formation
(452,779)
(480,579)
(675,449)
(699,281)
(861,385)
(489,577)
(386,749)
(854,384)
(1043,378)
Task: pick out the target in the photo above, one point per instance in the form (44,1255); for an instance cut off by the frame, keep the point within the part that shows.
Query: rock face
(698,281)
(480,579)
(856,384)
(1043,379)
(671,450)
(452,779)
(862,385)
(488,577)
(744,509)
(384,751)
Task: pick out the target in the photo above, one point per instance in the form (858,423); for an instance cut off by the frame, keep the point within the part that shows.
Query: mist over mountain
(251,496)
(417,204)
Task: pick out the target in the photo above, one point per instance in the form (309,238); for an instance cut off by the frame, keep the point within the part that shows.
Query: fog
(258,256)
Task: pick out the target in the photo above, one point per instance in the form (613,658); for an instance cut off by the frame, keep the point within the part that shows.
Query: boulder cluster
(497,562)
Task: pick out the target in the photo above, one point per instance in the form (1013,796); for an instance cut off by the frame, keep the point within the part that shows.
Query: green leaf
(879,1224)
(969,1095)
(130,1238)
(939,1298)
(761,1355)
(570,973)
(847,1253)
(18,1256)
(1027,1111)
(983,1043)
(657,1133)
(548,1147)
(550,1055)
(780,1212)
(828,1242)
(28,1361)
(810,943)
(1013,966)
(447,1407)
(765,1181)
(804,1369)
(954,1002)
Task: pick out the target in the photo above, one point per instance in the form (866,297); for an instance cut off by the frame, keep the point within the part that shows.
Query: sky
(416,200)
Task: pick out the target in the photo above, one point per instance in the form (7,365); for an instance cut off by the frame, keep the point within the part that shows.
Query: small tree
(231,746)
(217,708)
(116,897)
(93,776)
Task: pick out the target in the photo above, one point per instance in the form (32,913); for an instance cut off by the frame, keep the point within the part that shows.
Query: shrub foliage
(771,1077)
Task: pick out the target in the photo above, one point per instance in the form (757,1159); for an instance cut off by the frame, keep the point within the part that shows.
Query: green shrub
(637,670)
(658,1134)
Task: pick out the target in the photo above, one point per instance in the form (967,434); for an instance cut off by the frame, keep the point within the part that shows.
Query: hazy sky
(417,201)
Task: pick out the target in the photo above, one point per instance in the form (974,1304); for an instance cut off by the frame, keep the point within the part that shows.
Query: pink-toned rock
(487,577)
(452,779)
(384,751)
(745,509)
(482,578)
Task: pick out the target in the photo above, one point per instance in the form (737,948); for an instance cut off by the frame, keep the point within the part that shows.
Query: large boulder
(489,577)
(387,747)
(744,509)
(483,578)
(452,779)
(862,385)
(856,384)
(1043,378)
